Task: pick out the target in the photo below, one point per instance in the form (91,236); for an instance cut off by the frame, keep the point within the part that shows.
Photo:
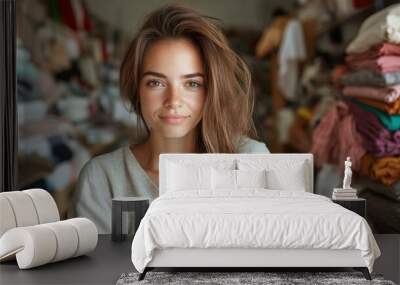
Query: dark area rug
(229,278)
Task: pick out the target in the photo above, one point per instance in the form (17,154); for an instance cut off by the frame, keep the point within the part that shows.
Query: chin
(175,134)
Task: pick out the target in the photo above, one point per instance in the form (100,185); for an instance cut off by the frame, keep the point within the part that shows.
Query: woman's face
(172,89)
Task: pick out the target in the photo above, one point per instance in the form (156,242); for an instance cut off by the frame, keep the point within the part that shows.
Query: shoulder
(248,145)
(103,163)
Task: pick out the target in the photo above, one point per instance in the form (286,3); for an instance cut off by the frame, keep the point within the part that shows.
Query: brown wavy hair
(227,112)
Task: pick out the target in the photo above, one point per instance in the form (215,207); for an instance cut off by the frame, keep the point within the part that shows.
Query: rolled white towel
(67,240)
(23,208)
(26,208)
(45,205)
(7,220)
(32,246)
(40,244)
(87,235)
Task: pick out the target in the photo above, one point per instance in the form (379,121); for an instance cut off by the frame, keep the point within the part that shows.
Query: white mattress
(253,218)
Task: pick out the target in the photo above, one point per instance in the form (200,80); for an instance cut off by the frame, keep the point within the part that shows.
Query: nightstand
(358,205)
(139,205)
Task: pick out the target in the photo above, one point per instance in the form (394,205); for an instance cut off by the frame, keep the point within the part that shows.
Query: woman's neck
(148,153)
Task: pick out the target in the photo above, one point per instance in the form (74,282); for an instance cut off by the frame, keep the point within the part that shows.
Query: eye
(154,83)
(193,84)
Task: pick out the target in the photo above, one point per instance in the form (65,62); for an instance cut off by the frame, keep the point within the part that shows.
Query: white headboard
(215,159)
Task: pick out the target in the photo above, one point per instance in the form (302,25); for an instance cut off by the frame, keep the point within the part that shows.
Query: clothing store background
(338,99)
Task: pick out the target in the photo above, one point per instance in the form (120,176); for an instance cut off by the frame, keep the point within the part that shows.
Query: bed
(247,210)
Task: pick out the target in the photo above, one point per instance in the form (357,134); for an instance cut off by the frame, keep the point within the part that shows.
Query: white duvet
(252,218)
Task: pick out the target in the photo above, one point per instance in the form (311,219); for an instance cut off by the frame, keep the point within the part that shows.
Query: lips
(173,119)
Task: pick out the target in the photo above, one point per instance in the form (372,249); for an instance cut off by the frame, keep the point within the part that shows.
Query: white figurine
(347,174)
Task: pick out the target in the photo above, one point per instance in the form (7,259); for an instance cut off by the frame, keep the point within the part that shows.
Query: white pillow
(227,179)
(223,179)
(251,178)
(181,177)
(293,179)
(281,174)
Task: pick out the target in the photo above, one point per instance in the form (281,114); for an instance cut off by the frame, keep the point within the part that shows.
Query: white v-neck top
(119,174)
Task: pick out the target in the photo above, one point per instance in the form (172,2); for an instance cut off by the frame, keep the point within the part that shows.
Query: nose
(173,99)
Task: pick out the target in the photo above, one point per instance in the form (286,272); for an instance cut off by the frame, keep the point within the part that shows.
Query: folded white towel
(379,27)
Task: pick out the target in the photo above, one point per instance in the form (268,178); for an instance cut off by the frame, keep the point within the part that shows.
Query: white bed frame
(246,257)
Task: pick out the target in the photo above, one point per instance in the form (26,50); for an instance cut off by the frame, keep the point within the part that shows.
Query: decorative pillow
(223,179)
(181,177)
(227,179)
(251,178)
(277,180)
(282,174)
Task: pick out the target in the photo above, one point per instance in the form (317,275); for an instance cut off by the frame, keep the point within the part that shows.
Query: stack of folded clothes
(365,125)
(372,90)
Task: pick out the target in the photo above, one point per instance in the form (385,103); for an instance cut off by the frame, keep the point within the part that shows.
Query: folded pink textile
(375,52)
(384,64)
(386,94)
(336,137)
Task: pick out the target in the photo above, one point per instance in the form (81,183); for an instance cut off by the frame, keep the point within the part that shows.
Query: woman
(193,94)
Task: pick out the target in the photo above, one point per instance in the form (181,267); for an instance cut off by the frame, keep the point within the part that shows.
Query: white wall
(128,14)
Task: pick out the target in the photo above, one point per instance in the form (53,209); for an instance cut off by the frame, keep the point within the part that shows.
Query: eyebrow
(157,74)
